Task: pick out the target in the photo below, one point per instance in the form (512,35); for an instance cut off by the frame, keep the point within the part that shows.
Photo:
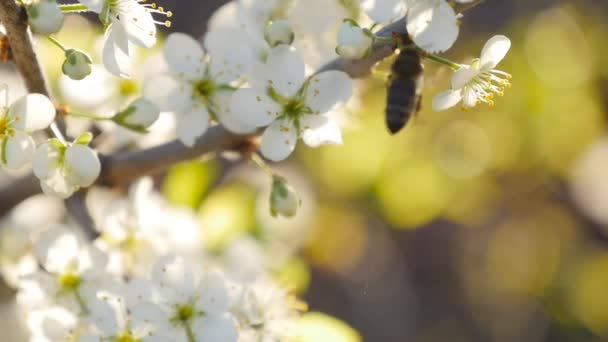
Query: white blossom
(292,105)
(77,64)
(30,113)
(278,32)
(198,88)
(479,82)
(138,116)
(127,23)
(64,168)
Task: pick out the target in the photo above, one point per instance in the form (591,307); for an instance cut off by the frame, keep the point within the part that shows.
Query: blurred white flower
(77,64)
(479,82)
(30,113)
(138,116)
(64,168)
(292,105)
(53,324)
(188,305)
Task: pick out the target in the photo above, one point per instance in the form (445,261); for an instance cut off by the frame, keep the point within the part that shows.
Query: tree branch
(121,168)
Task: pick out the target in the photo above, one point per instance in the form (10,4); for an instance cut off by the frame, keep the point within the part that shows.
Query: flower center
(205,88)
(126,337)
(293,108)
(70,281)
(128,87)
(184,314)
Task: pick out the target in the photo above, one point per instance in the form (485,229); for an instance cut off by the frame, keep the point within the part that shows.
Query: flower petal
(226,117)
(328,90)
(285,71)
(19,150)
(138,23)
(94,5)
(317,130)
(45,161)
(254,108)
(279,140)
(446,99)
(214,294)
(463,76)
(168,93)
(494,51)
(433,25)
(116,57)
(82,165)
(469,98)
(215,328)
(184,55)
(32,112)
(191,124)
(382,11)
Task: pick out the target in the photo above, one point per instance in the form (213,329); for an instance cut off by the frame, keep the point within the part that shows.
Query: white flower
(197,89)
(45,17)
(278,32)
(53,324)
(72,271)
(30,113)
(77,64)
(432,24)
(265,312)
(64,168)
(138,116)
(127,22)
(353,41)
(292,105)
(187,306)
(479,82)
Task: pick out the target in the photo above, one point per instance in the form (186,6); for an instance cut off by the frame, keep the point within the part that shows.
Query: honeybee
(405,86)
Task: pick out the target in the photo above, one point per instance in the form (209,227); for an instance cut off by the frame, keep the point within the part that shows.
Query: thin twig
(121,168)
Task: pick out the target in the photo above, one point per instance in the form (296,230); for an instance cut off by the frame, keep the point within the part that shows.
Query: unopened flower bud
(353,41)
(45,16)
(278,32)
(140,115)
(77,64)
(284,200)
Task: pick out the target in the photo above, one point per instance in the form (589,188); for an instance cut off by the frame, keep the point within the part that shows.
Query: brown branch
(121,168)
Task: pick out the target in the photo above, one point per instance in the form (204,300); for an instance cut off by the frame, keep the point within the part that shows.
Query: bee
(404,90)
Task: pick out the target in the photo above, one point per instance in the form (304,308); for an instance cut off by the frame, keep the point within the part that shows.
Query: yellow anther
(169,14)
(502,93)
(464,109)
(491,103)
(508,85)
(161,9)
(167,23)
(153,5)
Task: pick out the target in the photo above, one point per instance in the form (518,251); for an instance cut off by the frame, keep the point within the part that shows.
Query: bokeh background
(487,225)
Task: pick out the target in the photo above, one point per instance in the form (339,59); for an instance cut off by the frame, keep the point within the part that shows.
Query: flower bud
(140,115)
(45,16)
(353,41)
(77,64)
(278,32)
(283,198)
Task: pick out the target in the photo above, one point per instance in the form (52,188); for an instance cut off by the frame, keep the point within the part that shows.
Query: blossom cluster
(147,277)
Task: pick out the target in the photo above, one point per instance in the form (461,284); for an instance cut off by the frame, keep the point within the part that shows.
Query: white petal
(57,249)
(168,93)
(328,90)
(494,51)
(446,99)
(32,112)
(191,124)
(215,328)
(116,56)
(279,140)
(433,25)
(57,185)
(285,70)
(469,98)
(82,165)
(19,150)
(146,313)
(317,130)
(184,55)
(94,5)
(104,316)
(382,11)
(227,118)
(463,76)
(137,23)
(214,294)
(45,161)
(254,108)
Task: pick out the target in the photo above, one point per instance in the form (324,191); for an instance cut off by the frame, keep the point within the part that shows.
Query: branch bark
(121,168)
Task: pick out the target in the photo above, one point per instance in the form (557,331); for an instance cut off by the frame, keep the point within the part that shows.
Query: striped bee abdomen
(404,90)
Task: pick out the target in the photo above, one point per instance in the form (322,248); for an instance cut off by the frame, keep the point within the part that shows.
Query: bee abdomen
(404,90)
